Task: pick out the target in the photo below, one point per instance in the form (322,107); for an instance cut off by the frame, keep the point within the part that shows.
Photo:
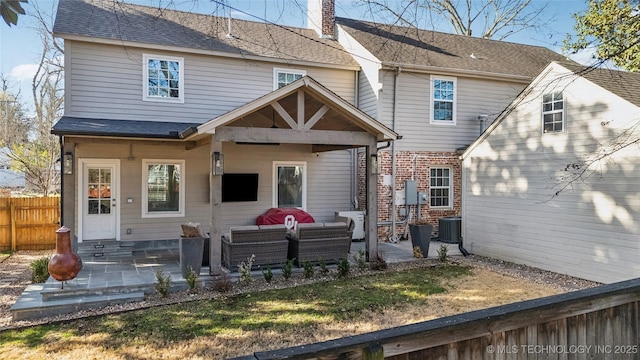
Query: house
(439,91)
(9,178)
(553,183)
(157,100)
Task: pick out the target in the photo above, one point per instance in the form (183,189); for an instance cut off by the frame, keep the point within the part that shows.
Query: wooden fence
(29,223)
(595,323)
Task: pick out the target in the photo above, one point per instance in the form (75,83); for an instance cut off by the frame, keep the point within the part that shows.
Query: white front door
(99,199)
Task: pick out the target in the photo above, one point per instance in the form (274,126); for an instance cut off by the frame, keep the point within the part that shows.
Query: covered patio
(305,114)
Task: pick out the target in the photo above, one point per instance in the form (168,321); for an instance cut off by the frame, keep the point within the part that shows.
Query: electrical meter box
(410,192)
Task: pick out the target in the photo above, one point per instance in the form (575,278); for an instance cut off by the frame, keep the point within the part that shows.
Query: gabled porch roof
(303,112)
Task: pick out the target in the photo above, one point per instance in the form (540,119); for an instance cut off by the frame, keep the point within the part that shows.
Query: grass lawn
(241,324)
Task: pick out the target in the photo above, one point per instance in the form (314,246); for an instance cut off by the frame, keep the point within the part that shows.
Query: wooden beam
(289,136)
(317,116)
(300,109)
(284,114)
(215,226)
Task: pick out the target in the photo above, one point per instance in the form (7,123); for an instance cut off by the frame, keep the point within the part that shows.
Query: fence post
(12,209)
(373,352)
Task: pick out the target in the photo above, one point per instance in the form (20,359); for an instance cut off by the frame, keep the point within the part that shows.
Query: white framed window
(290,184)
(443,100)
(283,77)
(553,112)
(440,187)
(163,78)
(163,188)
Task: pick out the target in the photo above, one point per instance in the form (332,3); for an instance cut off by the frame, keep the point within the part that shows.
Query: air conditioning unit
(450,229)
(357,217)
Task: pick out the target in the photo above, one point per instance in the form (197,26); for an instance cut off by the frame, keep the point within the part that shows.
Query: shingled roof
(122,22)
(415,48)
(622,83)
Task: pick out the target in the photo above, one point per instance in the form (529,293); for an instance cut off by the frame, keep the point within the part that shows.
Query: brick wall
(405,163)
(328,17)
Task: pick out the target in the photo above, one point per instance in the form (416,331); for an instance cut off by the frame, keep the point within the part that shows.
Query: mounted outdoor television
(239,187)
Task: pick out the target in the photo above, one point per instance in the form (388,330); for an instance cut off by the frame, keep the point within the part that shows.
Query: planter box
(191,252)
(421,237)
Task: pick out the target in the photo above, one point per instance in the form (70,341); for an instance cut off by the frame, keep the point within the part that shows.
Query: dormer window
(283,77)
(553,112)
(443,100)
(163,78)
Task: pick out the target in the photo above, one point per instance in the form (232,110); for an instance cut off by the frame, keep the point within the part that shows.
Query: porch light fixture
(374,163)
(218,163)
(67,163)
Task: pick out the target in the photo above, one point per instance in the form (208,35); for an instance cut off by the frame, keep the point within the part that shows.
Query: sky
(20,45)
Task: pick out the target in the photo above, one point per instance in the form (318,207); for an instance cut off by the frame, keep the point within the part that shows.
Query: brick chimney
(321,17)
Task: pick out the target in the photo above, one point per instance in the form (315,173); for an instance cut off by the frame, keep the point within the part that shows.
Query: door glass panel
(99,191)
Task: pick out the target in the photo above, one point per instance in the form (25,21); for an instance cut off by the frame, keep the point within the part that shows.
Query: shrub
(222,284)
(323,267)
(442,253)
(287,269)
(268,274)
(163,283)
(361,260)
(344,267)
(40,270)
(245,270)
(191,277)
(308,269)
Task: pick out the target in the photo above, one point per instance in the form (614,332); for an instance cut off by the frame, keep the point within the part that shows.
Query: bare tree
(15,124)
(495,19)
(37,158)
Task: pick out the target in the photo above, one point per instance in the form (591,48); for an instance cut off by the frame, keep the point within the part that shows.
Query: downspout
(394,235)
(393,222)
(61,181)
(354,152)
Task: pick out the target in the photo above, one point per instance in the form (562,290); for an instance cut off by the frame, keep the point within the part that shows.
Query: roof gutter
(156,47)
(456,72)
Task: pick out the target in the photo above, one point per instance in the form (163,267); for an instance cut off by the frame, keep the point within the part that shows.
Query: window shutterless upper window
(440,189)
(163,188)
(163,78)
(553,112)
(283,77)
(443,100)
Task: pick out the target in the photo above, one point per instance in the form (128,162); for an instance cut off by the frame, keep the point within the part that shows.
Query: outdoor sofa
(268,243)
(314,242)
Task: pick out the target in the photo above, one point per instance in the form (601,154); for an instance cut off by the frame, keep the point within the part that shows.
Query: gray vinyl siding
(328,183)
(328,180)
(196,184)
(474,97)
(368,99)
(590,230)
(105,81)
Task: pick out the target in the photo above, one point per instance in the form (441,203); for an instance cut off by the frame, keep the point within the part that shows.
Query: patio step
(105,248)
(27,307)
(52,294)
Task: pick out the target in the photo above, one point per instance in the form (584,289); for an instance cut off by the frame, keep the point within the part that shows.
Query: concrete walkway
(120,279)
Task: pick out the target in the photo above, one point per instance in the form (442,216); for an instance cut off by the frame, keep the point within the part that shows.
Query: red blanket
(287,216)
